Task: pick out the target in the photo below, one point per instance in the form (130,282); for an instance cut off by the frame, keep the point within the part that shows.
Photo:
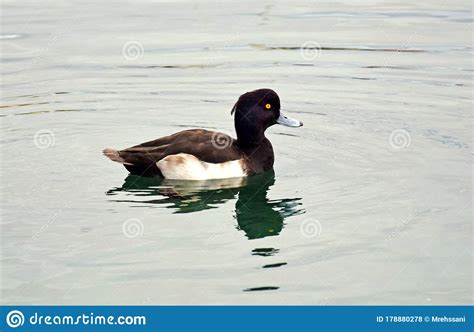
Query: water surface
(370,202)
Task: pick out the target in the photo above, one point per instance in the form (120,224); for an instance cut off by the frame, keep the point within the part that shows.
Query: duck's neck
(258,154)
(249,135)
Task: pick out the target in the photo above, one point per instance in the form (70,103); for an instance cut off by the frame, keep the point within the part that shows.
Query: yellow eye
(268,106)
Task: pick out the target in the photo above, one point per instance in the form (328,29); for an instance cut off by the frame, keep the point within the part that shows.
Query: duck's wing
(207,146)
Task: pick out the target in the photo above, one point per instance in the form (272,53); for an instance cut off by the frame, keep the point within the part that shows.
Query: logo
(44,139)
(132,228)
(310,228)
(220,140)
(310,50)
(15,318)
(132,50)
(400,139)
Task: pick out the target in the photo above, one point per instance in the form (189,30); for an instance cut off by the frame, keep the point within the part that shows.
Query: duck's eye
(268,106)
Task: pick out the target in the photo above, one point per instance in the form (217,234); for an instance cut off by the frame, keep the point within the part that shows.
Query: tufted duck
(199,154)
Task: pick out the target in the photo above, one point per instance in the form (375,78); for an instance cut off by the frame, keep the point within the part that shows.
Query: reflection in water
(256,215)
(265,252)
(256,289)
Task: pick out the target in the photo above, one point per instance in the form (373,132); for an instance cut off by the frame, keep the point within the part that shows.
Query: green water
(369,203)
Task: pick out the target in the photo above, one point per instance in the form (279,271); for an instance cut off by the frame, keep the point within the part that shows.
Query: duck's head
(257,110)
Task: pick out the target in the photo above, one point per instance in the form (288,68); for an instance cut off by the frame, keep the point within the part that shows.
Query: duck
(199,154)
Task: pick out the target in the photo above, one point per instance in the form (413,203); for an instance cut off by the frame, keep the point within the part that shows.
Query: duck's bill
(287,121)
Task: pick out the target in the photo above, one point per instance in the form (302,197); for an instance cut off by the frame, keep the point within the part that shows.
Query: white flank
(184,166)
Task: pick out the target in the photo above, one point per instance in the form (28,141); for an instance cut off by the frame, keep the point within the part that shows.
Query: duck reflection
(256,214)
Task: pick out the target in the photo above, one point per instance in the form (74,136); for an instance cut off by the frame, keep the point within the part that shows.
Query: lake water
(370,202)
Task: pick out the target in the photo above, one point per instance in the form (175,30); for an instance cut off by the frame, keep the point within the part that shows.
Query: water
(370,203)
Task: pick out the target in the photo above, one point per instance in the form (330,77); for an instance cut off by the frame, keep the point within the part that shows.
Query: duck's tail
(136,162)
(114,155)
